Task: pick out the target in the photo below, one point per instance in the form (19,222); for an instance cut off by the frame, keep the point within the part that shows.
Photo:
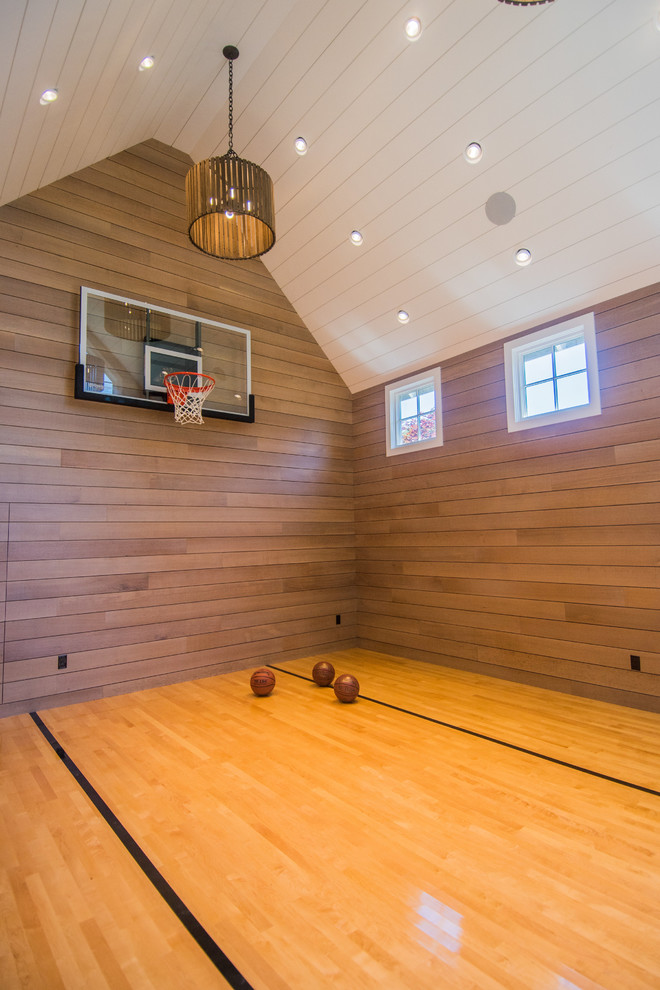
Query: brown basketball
(347,688)
(323,673)
(262,681)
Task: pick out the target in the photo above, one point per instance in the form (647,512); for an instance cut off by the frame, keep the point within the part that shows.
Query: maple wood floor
(362,846)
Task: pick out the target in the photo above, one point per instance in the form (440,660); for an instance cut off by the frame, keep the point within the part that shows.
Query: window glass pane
(573,391)
(540,399)
(552,375)
(408,406)
(571,356)
(414,413)
(538,367)
(427,399)
(409,431)
(427,426)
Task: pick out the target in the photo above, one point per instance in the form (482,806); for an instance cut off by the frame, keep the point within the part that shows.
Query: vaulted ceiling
(564,98)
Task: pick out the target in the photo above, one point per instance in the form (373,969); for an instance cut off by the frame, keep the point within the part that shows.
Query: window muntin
(413,413)
(552,375)
(555,377)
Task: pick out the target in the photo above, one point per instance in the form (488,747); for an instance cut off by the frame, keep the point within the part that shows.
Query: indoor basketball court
(444,829)
(329,524)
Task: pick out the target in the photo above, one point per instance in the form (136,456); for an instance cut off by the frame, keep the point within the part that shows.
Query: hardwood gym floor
(327,845)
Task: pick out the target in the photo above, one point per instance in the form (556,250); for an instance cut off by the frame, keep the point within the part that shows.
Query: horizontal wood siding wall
(531,555)
(144,551)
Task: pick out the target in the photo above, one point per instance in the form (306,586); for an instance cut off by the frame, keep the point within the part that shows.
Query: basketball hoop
(187,391)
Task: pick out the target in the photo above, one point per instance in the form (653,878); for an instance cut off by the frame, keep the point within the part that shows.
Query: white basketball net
(187,392)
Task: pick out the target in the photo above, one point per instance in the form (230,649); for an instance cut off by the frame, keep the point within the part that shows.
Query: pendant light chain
(231,107)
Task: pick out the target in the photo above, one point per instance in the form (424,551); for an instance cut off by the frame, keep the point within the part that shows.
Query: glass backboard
(127,347)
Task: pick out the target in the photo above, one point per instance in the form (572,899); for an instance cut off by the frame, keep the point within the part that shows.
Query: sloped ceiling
(564,98)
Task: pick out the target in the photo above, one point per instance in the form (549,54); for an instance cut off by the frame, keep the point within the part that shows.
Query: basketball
(347,688)
(262,681)
(323,673)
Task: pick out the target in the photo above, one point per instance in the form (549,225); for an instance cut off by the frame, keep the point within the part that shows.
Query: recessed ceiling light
(523,256)
(413,28)
(474,152)
(48,96)
(402,316)
(147,63)
(300,145)
(356,237)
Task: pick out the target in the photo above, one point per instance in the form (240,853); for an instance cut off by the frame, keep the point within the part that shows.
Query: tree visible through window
(416,415)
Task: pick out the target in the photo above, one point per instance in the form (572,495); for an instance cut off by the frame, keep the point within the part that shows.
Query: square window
(552,375)
(413,414)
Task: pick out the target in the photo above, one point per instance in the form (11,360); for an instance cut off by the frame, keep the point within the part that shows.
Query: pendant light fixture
(526,3)
(231,207)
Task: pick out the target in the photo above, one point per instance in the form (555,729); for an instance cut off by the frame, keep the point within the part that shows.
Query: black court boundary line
(221,962)
(493,739)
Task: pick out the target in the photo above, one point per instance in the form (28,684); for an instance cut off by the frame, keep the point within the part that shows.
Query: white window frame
(516,350)
(393,393)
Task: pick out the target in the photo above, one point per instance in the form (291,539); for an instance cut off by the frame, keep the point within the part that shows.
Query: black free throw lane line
(187,919)
(498,742)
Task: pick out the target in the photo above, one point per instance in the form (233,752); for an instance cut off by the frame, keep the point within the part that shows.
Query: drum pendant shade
(231,205)
(231,209)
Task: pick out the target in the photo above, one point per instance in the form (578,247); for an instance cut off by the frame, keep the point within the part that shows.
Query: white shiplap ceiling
(564,98)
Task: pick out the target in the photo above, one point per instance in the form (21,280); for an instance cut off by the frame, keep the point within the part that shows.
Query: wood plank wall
(146,552)
(532,555)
